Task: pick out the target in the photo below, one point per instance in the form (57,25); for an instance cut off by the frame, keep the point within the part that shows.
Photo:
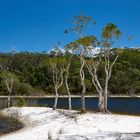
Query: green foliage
(23,89)
(80,23)
(33,76)
(88,41)
(111,30)
(137,85)
(21,102)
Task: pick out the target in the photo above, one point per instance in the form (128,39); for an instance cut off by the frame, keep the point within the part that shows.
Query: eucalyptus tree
(68,60)
(80,24)
(57,68)
(110,38)
(8,79)
(92,64)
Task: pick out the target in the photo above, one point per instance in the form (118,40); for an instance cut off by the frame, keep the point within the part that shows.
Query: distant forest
(32,74)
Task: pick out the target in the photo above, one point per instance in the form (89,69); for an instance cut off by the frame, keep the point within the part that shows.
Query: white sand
(41,122)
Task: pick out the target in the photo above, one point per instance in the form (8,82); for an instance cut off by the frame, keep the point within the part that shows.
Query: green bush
(21,102)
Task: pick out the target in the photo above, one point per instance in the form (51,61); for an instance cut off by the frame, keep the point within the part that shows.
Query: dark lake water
(129,105)
(118,105)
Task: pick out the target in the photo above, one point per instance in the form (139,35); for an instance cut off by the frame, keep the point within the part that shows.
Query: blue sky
(37,25)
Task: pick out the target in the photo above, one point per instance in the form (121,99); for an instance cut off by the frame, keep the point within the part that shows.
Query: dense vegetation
(32,74)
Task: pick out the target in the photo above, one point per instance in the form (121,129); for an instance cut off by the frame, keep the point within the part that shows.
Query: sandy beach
(44,123)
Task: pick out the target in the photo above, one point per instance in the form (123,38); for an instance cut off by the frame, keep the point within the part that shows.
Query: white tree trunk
(101,106)
(68,92)
(9,100)
(82,77)
(57,84)
(9,80)
(106,94)
(56,99)
(108,72)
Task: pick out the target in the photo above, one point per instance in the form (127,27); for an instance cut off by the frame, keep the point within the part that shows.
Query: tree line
(32,72)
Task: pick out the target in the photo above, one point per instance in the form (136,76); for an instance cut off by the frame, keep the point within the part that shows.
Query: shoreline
(72,96)
(41,122)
